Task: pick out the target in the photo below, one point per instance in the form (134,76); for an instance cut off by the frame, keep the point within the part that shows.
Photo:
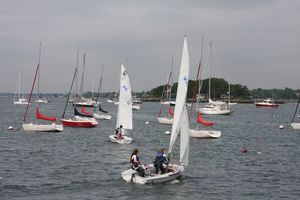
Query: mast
(99,86)
(296,109)
(75,73)
(76,87)
(197,78)
(209,80)
(19,85)
(38,81)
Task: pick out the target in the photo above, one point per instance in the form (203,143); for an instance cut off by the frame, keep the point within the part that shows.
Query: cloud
(254,42)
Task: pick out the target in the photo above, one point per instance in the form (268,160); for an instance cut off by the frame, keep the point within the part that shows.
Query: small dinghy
(180,124)
(124,117)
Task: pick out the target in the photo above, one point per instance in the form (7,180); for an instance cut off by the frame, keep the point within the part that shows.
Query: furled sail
(202,121)
(101,110)
(76,112)
(170,111)
(85,112)
(39,115)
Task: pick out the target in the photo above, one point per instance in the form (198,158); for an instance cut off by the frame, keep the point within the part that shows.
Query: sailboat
(21,100)
(214,107)
(166,100)
(103,113)
(296,125)
(36,127)
(124,116)
(180,124)
(196,133)
(80,120)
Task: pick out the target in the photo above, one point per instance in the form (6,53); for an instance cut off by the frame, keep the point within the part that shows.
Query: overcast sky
(255,42)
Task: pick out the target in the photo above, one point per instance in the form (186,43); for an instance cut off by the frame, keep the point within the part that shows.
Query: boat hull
(78,123)
(266,105)
(204,134)
(165,120)
(131,175)
(102,116)
(124,140)
(42,127)
(295,125)
(136,107)
(208,111)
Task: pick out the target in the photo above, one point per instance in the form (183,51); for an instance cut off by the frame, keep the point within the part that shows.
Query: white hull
(102,116)
(109,101)
(165,120)
(124,140)
(116,103)
(231,104)
(136,107)
(21,102)
(205,134)
(211,111)
(295,125)
(131,175)
(42,101)
(92,120)
(42,127)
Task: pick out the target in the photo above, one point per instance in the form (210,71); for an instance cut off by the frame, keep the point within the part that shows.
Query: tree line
(220,89)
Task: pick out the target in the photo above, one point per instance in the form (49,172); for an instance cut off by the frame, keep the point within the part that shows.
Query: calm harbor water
(84,164)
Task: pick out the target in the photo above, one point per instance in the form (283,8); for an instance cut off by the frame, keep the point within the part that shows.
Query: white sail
(184,138)
(124,117)
(181,95)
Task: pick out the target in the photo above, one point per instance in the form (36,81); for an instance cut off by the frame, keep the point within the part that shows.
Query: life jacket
(134,165)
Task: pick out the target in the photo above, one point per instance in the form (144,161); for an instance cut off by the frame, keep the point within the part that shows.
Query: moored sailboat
(296,125)
(37,127)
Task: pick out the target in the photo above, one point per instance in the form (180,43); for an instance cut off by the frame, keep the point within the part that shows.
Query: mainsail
(124,117)
(179,116)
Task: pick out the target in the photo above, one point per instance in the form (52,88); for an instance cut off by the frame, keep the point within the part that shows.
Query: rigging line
(69,93)
(296,110)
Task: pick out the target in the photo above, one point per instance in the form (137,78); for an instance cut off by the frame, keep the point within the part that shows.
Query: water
(84,164)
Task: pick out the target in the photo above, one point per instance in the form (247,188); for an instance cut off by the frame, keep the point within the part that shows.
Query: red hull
(268,106)
(82,124)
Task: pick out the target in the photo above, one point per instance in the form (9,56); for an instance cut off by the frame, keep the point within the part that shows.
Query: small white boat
(205,134)
(43,127)
(165,120)
(295,125)
(215,108)
(109,101)
(136,107)
(124,116)
(181,124)
(266,103)
(42,100)
(174,171)
(123,140)
(21,101)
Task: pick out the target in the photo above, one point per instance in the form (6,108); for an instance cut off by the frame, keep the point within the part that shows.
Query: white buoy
(146,122)
(167,132)
(10,128)
(281,126)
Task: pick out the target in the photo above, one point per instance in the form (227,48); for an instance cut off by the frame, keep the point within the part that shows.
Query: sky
(255,43)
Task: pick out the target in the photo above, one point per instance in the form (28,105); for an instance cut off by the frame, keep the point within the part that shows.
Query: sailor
(135,163)
(118,134)
(161,162)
